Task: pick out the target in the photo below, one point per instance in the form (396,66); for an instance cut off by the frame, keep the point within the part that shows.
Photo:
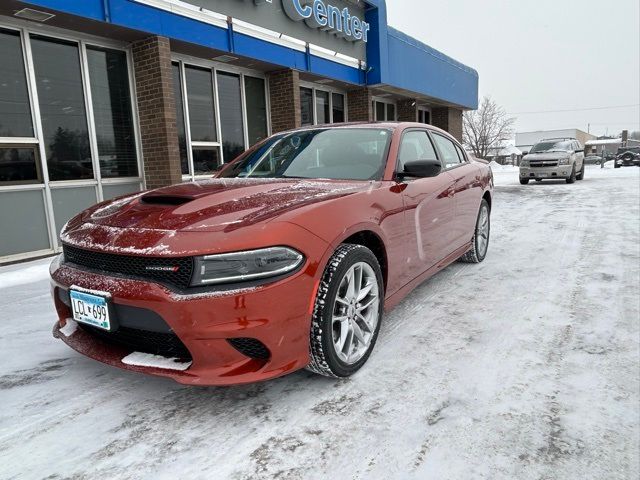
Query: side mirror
(524,154)
(422,168)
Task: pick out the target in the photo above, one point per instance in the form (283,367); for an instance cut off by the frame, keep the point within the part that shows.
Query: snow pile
(69,328)
(140,359)
(496,167)
(23,275)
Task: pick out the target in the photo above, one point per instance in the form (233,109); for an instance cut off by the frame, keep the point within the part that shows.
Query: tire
(325,358)
(479,249)
(572,177)
(580,176)
(524,181)
(616,164)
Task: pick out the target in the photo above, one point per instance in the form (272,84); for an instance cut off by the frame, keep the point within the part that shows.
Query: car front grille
(155,343)
(166,270)
(544,163)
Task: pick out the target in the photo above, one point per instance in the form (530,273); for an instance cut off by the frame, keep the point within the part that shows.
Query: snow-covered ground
(523,367)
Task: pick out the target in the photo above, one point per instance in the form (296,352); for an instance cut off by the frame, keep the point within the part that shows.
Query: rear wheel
(480,240)
(572,177)
(347,312)
(524,181)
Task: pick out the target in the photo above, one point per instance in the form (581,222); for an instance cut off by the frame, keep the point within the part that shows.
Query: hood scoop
(164,199)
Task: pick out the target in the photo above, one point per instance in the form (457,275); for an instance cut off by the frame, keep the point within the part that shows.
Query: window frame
(331,91)
(215,67)
(25,29)
(397,172)
(386,102)
(463,161)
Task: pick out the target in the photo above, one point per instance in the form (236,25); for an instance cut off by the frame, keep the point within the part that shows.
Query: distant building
(507,155)
(526,140)
(607,146)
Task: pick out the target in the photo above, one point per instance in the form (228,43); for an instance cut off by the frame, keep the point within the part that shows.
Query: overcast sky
(541,56)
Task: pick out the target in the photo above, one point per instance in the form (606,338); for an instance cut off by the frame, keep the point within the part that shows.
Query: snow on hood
(146,223)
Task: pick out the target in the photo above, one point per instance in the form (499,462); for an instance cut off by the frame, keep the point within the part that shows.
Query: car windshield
(552,146)
(339,154)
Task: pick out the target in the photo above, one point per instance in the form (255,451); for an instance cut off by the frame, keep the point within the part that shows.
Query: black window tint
(230,115)
(202,118)
(381,112)
(15,113)
(415,146)
(182,137)
(113,119)
(256,109)
(62,108)
(322,107)
(18,164)
(447,150)
(306,105)
(338,108)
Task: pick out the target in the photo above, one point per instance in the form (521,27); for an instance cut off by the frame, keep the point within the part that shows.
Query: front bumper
(278,315)
(561,171)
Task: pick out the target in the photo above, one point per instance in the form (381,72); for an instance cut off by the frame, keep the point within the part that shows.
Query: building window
(15,113)
(182,134)
(62,109)
(224,114)
(202,118)
(323,114)
(424,115)
(256,101)
(319,106)
(384,111)
(306,106)
(231,123)
(111,100)
(338,107)
(18,165)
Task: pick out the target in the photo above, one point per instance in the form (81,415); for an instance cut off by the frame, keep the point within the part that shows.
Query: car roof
(386,124)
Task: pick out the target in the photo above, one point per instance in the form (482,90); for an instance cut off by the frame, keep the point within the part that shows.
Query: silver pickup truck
(553,159)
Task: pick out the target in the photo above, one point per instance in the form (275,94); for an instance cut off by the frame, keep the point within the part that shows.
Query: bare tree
(487,127)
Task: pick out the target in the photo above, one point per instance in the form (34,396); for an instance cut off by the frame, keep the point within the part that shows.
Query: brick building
(101,98)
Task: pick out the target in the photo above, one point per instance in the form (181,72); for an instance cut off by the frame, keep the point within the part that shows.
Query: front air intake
(173,200)
(250,347)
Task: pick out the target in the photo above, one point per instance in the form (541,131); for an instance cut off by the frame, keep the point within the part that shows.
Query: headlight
(524,163)
(245,266)
(563,161)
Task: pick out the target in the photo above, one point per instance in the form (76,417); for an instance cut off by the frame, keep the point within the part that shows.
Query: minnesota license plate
(90,309)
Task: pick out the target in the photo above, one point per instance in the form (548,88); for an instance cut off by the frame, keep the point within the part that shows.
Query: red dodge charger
(285,260)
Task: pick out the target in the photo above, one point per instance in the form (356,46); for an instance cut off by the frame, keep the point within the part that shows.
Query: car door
(467,189)
(428,204)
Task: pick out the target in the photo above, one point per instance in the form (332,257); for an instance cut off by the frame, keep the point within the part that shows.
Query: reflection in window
(62,109)
(15,113)
(306,105)
(205,161)
(18,165)
(322,107)
(391,112)
(338,108)
(182,137)
(111,101)
(230,115)
(256,109)
(201,108)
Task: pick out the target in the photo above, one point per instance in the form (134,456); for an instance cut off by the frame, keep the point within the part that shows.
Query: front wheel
(580,176)
(524,181)
(480,240)
(347,312)
(572,177)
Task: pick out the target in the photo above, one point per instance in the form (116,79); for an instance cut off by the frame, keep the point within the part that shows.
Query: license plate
(90,309)
(542,174)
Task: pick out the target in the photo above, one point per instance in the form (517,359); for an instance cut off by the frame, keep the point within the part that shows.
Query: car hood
(217,204)
(547,156)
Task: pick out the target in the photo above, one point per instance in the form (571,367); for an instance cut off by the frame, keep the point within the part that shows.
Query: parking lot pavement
(525,366)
